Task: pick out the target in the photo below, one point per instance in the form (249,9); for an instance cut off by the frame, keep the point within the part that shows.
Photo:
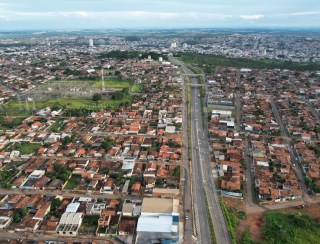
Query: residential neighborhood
(118,139)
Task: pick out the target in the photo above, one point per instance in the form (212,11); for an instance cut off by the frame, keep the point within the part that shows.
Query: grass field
(26,148)
(212,61)
(73,182)
(116,83)
(12,107)
(108,83)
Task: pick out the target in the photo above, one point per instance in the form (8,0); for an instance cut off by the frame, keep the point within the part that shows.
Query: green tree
(176,171)
(107,144)
(97,97)
(55,204)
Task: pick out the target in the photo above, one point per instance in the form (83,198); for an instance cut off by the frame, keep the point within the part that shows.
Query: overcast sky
(77,14)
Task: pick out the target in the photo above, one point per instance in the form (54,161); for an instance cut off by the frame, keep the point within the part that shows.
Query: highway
(202,179)
(187,201)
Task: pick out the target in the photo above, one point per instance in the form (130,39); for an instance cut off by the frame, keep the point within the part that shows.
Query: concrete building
(173,45)
(159,220)
(69,224)
(90,42)
(5,221)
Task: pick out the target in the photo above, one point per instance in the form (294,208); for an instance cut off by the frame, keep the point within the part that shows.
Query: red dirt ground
(254,223)
(234,202)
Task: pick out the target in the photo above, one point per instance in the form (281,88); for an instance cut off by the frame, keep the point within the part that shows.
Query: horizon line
(167,28)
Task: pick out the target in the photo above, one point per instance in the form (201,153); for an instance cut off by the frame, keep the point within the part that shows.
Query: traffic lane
(202,212)
(222,235)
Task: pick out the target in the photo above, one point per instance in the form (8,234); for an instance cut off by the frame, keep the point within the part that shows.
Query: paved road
(188,224)
(5,236)
(311,108)
(189,228)
(202,179)
(238,111)
(65,193)
(293,154)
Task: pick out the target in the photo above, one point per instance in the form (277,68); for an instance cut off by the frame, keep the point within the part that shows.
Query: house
(136,189)
(126,226)
(27,224)
(42,211)
(108,186)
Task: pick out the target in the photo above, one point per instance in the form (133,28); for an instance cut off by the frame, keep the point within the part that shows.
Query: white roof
(223,112)
(85,199)
(161,224)
(73,207)
(127,165)
(37,173)
(170,129)
(263,163)
(71,218)
(245,70)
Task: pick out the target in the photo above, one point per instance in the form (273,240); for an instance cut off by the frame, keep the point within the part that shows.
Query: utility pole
(102,81)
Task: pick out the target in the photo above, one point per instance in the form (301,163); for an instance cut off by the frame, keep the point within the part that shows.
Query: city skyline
(35,14)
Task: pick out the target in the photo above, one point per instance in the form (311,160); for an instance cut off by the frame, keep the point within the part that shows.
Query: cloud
(304,13)
(128,15)
(252,17)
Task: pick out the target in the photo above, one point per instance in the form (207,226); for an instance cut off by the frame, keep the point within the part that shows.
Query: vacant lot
(294,225)
(70,103)
(26,147)
(13,107)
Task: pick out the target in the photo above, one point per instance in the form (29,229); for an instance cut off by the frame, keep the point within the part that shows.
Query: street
(65,193)
(293,154)
(4,236)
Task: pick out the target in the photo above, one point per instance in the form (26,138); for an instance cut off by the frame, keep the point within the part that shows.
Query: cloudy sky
(77,14)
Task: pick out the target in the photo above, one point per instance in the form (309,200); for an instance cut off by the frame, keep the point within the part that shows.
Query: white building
(69,224)
(73,207)
(5,221)
(173,45)
(90,42)
(159,220)
(221,113)
(170,129)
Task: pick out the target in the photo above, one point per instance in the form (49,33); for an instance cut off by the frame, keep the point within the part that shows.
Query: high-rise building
(90,42)
(173,45)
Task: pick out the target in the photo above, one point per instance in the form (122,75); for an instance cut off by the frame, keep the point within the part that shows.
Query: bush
(231,221)
(97,97)
(283,227)
(246,239)
(242,215)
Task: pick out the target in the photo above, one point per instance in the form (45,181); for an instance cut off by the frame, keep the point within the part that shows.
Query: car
(187,217)
(197,148)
